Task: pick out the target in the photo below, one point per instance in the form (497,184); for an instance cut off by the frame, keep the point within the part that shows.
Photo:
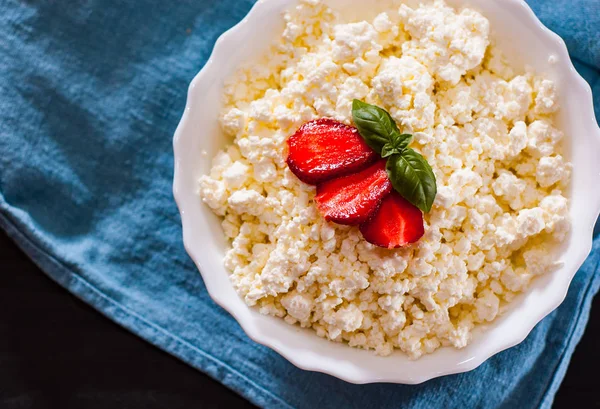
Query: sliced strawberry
(352,199)
(324,149)
(396,223)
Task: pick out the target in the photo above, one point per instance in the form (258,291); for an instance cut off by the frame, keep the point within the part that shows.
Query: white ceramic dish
(521,36)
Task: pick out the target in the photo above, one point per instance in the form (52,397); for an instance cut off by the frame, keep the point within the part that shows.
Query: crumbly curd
(486,130)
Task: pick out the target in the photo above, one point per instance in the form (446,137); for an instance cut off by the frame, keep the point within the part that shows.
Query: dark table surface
(56,352)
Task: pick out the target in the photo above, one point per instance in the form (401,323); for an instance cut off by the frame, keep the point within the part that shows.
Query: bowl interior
(198,139)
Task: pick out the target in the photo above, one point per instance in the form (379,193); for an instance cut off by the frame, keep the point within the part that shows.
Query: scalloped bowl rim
(346,365)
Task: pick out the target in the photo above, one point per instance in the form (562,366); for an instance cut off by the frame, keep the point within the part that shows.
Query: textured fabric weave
(90,95)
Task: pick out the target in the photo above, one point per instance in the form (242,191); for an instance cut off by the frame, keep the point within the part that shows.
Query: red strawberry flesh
(324,149)
(352,199)
(396,223)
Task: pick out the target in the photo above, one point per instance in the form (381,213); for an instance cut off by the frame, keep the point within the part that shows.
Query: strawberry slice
(396,223)
(352,199)
(324,149)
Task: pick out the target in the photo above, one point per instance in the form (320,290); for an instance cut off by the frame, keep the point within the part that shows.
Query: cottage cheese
(485,129)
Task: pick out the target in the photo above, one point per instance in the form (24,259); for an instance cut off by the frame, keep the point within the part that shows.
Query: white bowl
(520,35)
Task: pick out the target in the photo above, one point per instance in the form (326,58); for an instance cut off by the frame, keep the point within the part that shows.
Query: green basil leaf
(413,178)
(374,124)
(397,146)
(389,149)
(409,172)
(402,141)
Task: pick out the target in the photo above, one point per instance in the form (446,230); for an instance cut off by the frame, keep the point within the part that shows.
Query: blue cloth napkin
(90,95)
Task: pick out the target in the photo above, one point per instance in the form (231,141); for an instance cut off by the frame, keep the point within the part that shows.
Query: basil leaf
(402,141)
(374,124)
(397,146)
(409,172)
(389,149)
(413,178)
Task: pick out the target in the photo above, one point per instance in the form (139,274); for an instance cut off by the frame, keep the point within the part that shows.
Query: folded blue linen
(90,95)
